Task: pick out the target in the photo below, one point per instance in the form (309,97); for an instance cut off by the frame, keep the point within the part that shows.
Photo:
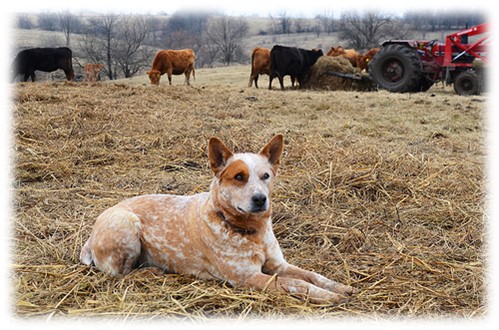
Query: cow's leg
(300,81)
(187,77)
(253,77)
(250,80)
(70,75)
(281,81)
(256,81)
(169,73)
(32,74)
(270,81)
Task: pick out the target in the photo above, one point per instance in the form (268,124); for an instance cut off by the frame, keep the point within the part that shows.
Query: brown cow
(260,64)
(92,71)
(350,54)
(363,61)
(172,62)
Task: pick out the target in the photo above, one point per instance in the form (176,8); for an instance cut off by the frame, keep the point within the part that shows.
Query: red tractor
(413,66)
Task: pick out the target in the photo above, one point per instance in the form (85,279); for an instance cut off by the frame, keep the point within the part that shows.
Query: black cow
(43,59)
(291,61)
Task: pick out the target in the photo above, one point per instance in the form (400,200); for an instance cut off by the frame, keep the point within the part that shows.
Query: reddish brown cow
(363,61)
(350,54)
(172,62)
(260,64)
(92,71)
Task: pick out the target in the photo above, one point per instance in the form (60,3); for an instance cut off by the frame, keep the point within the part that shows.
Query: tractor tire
(467,83)
(397,68)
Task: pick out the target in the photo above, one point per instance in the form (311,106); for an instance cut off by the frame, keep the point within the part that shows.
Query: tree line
(126,44)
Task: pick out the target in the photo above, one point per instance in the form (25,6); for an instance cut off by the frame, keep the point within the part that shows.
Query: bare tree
(68,23)
(118,42)
(327,22)
(129,54)
(23,21)
(428,20)
(48,21)
(365,31)
(281,24)
(302,25)
(186,29)
(101,36)
(227,34)
(182,39)
(92,48)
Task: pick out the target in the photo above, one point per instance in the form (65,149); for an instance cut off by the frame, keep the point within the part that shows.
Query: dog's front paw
(343,289)
(327,298)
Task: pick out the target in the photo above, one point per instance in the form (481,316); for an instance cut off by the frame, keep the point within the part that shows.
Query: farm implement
(414,66)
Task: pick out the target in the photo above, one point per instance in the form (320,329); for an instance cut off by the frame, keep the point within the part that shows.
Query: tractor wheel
(467,83)
(397,68)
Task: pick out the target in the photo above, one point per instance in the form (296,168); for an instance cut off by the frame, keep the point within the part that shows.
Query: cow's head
(316,53)
(154,76)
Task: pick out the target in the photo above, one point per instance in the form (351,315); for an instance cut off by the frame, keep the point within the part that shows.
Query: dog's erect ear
(273,150)
(218,154)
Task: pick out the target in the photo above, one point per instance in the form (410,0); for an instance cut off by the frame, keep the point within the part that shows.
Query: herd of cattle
(277,62)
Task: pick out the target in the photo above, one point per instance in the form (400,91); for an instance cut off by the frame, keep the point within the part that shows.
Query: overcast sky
(303,8)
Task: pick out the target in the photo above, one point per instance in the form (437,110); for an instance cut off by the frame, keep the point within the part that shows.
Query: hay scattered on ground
(321,75)
(381,191)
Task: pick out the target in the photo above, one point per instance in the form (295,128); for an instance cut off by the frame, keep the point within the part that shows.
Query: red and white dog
(225,233)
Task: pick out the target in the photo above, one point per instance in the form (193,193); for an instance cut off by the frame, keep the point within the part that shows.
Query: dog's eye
(239,177)
(265,176)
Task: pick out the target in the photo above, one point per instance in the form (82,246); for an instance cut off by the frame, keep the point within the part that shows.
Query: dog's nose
(259,200)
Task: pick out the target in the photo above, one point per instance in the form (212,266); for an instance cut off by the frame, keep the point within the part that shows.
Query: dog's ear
(218,154)
(273,150)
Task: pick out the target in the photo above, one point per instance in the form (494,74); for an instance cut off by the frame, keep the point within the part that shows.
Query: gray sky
(301,8)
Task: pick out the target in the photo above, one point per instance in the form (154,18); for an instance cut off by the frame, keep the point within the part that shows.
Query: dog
(223,234)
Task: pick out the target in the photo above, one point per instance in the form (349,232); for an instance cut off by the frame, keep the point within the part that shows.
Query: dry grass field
(381,191)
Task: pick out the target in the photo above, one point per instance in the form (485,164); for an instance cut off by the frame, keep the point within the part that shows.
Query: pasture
(381,191)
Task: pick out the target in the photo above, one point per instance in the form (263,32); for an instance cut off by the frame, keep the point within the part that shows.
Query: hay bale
(320,77)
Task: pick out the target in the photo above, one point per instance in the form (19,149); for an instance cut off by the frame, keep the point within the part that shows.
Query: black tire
(397,68)
(424,84)
(467,83)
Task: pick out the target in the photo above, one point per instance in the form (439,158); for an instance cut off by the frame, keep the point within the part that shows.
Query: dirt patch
(381,191)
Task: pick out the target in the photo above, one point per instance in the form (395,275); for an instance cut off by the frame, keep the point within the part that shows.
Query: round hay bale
(324,75)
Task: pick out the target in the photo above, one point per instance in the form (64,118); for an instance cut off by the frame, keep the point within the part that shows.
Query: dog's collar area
(237,229)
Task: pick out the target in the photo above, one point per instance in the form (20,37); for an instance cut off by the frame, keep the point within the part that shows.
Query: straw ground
(381,191)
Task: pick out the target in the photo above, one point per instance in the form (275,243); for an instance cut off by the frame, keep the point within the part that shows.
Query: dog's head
(243,181)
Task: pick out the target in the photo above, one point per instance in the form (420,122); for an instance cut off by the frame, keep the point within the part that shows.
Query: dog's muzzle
(258,203)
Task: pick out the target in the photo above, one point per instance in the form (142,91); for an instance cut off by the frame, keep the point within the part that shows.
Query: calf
(92,72)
